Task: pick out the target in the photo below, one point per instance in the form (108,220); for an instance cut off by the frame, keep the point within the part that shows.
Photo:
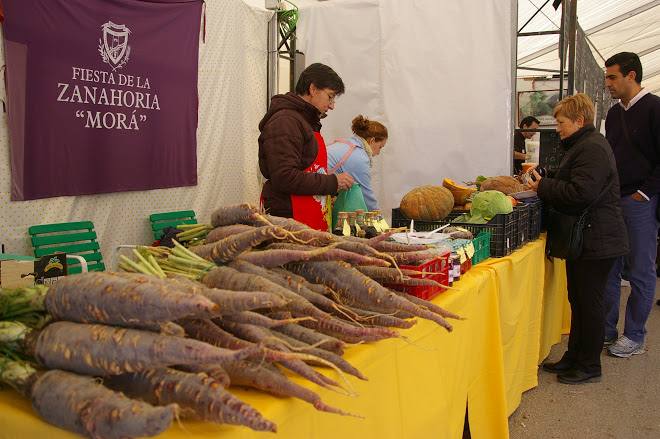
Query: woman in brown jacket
(292,153)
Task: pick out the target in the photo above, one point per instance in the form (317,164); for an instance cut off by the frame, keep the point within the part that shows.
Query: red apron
(312,209)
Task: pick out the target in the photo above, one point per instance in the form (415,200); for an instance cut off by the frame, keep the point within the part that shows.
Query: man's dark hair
(527,121)
(627,62)
(322,77)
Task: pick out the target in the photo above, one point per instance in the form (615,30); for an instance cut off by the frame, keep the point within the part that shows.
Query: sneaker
(609,341)
(625,347)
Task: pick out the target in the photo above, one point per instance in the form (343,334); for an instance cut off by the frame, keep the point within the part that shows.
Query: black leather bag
(566,232)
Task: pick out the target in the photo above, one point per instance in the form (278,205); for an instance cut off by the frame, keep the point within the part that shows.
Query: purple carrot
(430,306)
(257,319)
(256,334)
(214,371)
(82,405)
(248,374)
(312,337)
(328,356)
(197,394)
(284,280)
(135,301)
(387,320)
(209,332)
(106,350)
(219,233)
(229,248)
(276,258)
(232,279)
(334,254)
(236,214)
(356,287)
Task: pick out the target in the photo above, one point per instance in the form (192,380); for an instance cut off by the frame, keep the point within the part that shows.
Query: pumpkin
(427,203)
(507,185)
(460,193)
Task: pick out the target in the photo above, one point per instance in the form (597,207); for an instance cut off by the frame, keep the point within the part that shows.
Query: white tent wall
(437,74)
(232,99)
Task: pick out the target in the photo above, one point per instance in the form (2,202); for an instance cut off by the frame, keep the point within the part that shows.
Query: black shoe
(558,367)
(576,376)
(658,303)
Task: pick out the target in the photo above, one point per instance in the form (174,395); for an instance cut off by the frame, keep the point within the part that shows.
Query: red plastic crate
(439,266)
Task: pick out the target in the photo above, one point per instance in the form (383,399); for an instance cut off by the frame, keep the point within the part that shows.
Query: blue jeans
(639,269)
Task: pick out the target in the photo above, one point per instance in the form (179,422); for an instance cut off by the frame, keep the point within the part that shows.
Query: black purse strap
(593,203)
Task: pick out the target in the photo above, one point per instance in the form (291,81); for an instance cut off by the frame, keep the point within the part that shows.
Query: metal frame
(281,45)
(589,32)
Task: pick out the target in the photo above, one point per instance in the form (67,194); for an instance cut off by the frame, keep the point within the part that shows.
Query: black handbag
(636,149)
(566,232)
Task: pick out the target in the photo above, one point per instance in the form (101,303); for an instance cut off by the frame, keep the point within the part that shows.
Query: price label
(461,255)
(346,230)
(469,249)
(383,225)
(358,228)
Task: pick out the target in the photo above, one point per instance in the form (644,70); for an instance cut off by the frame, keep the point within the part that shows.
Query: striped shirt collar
(643,92)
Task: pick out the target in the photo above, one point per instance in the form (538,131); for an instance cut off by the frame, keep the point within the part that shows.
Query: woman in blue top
(354,155)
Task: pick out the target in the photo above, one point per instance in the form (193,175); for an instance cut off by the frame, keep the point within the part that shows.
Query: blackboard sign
(550,151)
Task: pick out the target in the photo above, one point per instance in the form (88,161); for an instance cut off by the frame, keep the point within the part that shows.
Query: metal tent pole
(272,64)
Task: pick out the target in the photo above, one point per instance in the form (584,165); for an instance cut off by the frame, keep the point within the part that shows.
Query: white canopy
(612,26)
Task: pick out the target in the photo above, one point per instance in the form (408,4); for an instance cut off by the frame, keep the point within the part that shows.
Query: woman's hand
(344,181)
(534,182)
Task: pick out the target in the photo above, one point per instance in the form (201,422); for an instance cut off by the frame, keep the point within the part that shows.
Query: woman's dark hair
(322,77)
(366,128)
(527,121)
(627,62)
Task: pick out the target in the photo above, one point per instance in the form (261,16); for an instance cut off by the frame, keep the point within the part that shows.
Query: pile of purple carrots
(169,334)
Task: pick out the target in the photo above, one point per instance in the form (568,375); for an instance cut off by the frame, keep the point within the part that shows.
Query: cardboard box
(16,274)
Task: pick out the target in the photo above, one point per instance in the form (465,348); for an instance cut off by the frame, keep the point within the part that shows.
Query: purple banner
(102,95)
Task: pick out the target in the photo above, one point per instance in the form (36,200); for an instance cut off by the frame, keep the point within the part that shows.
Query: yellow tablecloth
(418,385)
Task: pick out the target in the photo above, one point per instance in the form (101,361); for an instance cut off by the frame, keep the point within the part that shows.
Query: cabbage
(485,205)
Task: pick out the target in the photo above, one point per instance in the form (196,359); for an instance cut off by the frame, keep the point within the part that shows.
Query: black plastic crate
(535,218)
(521,232)
(501,230)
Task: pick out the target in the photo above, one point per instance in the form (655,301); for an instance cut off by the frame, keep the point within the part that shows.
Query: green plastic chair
(76,239)
(159,221)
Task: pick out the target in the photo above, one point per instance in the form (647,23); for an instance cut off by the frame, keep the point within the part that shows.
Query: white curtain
(436,73)
(232,100)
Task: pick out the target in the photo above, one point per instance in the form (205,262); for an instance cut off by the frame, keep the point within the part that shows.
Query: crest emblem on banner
(113,45)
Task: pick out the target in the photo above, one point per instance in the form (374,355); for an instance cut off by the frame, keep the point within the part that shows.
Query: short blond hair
(575,106)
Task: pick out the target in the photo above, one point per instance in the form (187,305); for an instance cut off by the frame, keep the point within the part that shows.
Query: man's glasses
(331,97)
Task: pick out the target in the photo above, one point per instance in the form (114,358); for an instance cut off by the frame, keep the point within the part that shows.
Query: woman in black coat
(587,175)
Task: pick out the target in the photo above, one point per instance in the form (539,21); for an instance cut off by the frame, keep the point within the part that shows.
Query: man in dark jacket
(633,130)
(292,155)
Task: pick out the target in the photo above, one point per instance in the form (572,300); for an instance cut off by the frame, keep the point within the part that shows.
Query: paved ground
(624,405)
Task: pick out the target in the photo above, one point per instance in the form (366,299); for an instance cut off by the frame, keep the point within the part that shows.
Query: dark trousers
(586,284)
